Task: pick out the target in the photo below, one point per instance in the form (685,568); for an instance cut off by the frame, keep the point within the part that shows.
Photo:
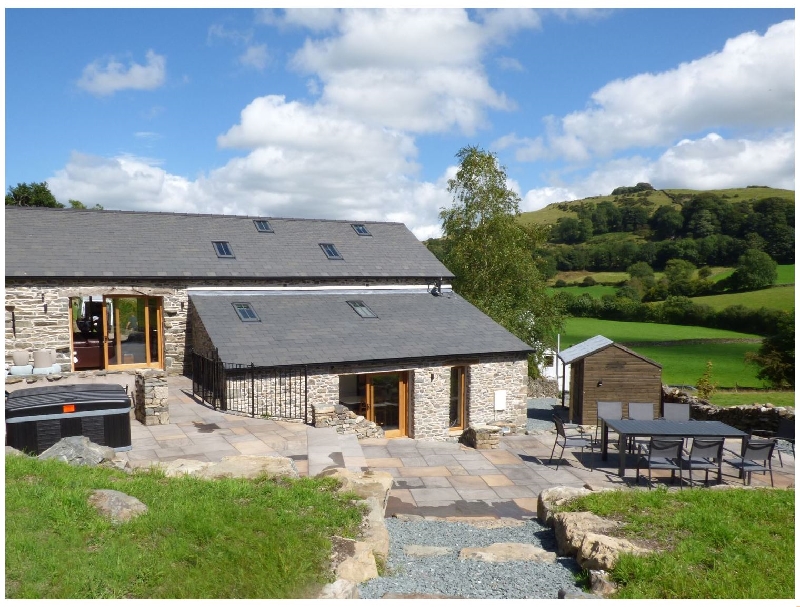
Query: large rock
(601,583)
(249,466)
(182,467)
(340,589)
(374,530)
(115,505)
(371,483)
(504,552)
(551,498)
(576,594)
(79,451)
(12,451)
(599,551)
(358,564)
(571,527)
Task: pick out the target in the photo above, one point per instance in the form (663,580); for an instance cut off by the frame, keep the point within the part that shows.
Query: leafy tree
(77,204)
(489,251)
(776,355)
(755,270)
(32,195)
(571,231)
(666,222)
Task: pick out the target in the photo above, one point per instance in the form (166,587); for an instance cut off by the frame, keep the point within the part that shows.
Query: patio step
(329,449)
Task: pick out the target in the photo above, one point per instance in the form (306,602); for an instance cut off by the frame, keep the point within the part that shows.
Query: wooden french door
(133,334)
(387,402)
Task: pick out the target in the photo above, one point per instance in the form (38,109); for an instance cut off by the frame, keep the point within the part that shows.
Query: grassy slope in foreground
(682,363)
(229,538)
(735,544)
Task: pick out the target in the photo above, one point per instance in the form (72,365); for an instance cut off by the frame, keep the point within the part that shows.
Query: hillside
(553,212)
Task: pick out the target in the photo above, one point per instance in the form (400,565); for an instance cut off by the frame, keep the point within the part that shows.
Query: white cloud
(100,79)
(219,31)
(255,57)
(749,83)
(147,135)
(413,70)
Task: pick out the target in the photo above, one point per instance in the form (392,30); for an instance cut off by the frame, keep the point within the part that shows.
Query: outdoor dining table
(661,427)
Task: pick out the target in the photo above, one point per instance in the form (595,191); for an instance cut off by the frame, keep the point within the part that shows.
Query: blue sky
(358,114)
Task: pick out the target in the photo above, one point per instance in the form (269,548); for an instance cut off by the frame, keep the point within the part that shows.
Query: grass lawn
(580,329)
(231,538)
(786,275)
(730,399)
(682,363)
(779,298)
(732,544)
(596,291)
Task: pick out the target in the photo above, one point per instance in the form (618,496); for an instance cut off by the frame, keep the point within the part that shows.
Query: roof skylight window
(223,248)
(262,225)
(330,250)
(246,312)
(362,309)
(361,229)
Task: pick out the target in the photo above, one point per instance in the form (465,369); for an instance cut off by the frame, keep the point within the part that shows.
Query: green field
(682,363)
(579,275)
(579,329)
(786,275)
(778,298)
(728,399)
(596,291)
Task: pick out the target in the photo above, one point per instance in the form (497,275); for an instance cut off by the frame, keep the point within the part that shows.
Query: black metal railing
(272,392)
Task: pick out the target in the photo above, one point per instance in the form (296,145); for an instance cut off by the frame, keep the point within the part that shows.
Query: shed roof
(593,345)
(302,327)
(43,242)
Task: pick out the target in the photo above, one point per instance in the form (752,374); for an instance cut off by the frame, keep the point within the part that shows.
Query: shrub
(589,281)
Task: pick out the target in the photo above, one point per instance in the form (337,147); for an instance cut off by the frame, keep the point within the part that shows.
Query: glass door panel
(133,331)
(457,398)
(387,397)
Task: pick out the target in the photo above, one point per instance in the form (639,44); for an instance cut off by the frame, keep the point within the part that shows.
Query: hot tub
(37,418)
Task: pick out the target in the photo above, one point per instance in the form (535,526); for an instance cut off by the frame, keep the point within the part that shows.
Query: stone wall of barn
(38,314)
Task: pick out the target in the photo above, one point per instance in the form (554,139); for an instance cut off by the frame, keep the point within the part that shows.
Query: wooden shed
(605,371)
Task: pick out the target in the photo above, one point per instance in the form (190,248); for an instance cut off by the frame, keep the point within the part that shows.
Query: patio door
(133,336)
(387,402)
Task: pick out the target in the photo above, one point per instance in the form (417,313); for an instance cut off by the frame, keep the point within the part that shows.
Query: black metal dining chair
(753,452)
(705,454)
(660,454)
(581,439)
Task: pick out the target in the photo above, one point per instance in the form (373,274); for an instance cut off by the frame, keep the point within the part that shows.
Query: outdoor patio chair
(607,410)
(784,436)
(660,454)
(753,452)
(705,454)
(642,411)
(678,412)
(581,439)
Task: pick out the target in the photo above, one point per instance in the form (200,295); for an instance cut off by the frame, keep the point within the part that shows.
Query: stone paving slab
(435,479)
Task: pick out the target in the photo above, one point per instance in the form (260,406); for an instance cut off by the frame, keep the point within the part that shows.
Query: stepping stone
(423,551)
(504,552)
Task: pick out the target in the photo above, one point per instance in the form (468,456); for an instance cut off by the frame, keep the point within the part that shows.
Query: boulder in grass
(249,466)
(116,506)
(79,451)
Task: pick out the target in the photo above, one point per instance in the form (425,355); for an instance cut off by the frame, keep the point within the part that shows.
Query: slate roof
(593,345)
(320,328)
(583,349)
(42,242)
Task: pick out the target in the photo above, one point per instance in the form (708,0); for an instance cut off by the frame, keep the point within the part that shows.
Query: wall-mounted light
(431,376)
(181,306)
(42,297)
(45,308)
(600,383)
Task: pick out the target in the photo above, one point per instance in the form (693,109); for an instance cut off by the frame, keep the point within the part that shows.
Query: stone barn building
(267,315)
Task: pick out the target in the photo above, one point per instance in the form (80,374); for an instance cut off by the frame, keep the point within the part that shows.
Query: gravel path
(540,413)
(471,579)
